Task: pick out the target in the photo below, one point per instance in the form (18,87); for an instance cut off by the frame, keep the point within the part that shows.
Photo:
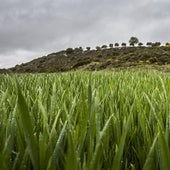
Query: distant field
(89,121)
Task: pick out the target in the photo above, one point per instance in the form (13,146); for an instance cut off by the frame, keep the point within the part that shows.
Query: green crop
(88,121)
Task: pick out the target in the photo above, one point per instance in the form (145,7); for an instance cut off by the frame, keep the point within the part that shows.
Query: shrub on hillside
(69,50)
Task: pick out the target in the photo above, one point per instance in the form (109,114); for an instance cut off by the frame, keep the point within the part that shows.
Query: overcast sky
(33,28)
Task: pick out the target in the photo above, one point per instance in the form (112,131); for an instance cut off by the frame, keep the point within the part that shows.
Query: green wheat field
(85,121)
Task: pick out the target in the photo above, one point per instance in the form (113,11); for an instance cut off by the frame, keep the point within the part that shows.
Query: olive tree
(111,45)
(104,46)
(116,44)
(123,44)
(149,44)
(140,44)
(133,41)
(88,48)
(98,48)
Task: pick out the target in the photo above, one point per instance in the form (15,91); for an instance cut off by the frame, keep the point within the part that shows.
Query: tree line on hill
(132,42)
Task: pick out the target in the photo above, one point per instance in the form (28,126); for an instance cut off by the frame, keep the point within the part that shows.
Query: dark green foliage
(140,44)
(69,50)
(132,44)
(81,63)
(133,41)
(116,44)
(115,53)
(78,50)
(99,56)
(156,44)
(149,44)
(81,48)
(88,48)
(124,57)
(111,45)
(98,48)
(123,44)
(104,46)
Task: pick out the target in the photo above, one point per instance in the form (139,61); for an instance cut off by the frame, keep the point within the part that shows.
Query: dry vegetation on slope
(101,59)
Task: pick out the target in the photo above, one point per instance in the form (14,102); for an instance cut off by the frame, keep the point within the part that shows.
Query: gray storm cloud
(33,28)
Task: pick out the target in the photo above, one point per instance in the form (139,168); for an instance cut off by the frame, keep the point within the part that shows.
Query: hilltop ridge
(100,59)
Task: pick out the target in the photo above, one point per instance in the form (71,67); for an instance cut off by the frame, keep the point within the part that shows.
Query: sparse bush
(156,44)
(104,46)
(99,56)
(88,48)
(111,45)
(115,53)
(78,50)
(116,44)
(123,44)
(140,44)
(81,63)
(98,48)
(69,50)
(149,44)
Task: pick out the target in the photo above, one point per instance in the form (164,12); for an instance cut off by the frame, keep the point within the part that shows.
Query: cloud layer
(30,29)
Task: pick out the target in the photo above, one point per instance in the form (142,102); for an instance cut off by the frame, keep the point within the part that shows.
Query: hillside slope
(112,58)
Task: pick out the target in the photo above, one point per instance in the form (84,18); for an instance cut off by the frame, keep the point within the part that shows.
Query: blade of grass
(165,152)
(150,157)
(28,128)
(95,164)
